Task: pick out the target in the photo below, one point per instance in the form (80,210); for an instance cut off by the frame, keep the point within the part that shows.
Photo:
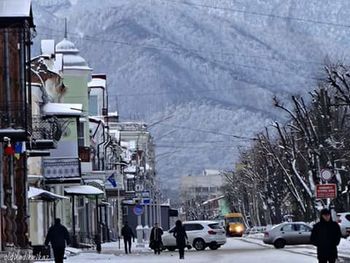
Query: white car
(344,223)
(201,234)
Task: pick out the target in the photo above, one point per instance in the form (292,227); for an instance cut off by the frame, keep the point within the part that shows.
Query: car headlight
(239,229)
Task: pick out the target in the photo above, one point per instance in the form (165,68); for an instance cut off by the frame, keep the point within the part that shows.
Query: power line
(211,132)
(176,50)
(255,13)
(125,43)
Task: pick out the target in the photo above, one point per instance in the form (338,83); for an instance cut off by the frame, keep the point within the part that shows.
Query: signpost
(325,191)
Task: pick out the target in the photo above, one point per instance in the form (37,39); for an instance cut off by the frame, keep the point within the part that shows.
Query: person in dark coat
(181,238)
(58,236)
(326,236)
(156,239)
(127,234)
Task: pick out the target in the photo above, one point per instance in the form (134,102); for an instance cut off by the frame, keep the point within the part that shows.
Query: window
(130,185)
(287,228)
(215,226)
(93,105)
(193,227)
(302,228)
(347,217)
(81,139)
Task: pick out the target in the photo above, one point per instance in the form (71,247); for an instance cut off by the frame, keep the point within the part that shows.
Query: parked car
(288,233)
(201,234)
(344,223)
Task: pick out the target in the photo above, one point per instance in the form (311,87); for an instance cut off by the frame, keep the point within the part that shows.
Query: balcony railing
(46,129)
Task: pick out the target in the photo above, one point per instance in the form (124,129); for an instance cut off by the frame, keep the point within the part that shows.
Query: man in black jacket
(156,239)
(326,236)
(58,236)
(127,234)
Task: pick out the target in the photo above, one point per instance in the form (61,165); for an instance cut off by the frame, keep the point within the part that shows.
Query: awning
(82,190)
(41,194)
(63,109)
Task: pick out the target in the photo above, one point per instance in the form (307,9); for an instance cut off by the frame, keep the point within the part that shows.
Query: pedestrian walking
(181,238)
(156,239)
(127,234)
(326,236)
(58,236)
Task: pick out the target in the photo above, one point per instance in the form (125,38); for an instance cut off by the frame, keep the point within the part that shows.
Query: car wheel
(199,244)
(214,247)
(171,248)
(279,243)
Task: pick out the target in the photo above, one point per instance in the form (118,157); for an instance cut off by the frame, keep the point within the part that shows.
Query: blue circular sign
(138,210)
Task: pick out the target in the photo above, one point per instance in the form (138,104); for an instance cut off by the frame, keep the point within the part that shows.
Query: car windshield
(234,220)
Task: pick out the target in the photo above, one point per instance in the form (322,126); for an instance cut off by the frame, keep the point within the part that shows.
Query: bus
(234,224)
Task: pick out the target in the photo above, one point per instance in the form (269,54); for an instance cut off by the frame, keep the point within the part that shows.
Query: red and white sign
(324,191)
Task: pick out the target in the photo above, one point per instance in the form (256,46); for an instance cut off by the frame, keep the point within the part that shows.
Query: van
(234,224)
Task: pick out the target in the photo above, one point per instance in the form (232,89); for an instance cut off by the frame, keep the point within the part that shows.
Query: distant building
(196,190)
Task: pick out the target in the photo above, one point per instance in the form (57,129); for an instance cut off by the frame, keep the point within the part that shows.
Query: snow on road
(235,250)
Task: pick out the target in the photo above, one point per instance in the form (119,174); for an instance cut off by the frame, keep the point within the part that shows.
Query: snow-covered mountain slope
(214,69)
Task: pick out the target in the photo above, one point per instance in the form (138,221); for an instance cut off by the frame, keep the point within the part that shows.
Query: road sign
(138,210)
(324,191)
(146,201)
(326,175)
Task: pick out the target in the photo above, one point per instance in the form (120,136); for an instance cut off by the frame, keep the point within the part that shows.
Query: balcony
(15,121)
(46,133)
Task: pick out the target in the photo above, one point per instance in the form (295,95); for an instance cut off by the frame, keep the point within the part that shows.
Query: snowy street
(235,250)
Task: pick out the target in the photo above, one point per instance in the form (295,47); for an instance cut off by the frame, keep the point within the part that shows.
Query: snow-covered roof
(82,190)
(97,82)
(15,8)
(63,109)
(71,57)
(37,193)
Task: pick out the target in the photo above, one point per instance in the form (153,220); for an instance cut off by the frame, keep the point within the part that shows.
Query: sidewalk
(118,249)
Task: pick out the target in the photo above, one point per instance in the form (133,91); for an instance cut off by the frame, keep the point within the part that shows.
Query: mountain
(208,67)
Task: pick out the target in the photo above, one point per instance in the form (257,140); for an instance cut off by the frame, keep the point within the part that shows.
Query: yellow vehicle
(234,224)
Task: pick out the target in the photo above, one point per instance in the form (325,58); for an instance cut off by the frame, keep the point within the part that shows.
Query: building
(196,190)
(138,171)
(16,26)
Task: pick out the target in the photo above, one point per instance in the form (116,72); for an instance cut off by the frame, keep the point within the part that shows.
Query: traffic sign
(326,175)
(324,191)
(138,210)
(146,201)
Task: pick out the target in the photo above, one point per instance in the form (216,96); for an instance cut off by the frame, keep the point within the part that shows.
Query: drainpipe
(7,72)
(108,141)
(98,149)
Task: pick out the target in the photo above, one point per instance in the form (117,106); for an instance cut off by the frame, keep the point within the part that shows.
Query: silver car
(288,233)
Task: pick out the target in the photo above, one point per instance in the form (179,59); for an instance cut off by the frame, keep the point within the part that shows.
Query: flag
(19,149)
(9,150)
(112,180)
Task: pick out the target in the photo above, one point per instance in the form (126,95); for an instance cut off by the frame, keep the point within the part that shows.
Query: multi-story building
(196,190)
(138,168)
(16,24)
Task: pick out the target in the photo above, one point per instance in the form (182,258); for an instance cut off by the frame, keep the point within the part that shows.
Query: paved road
(236,250)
